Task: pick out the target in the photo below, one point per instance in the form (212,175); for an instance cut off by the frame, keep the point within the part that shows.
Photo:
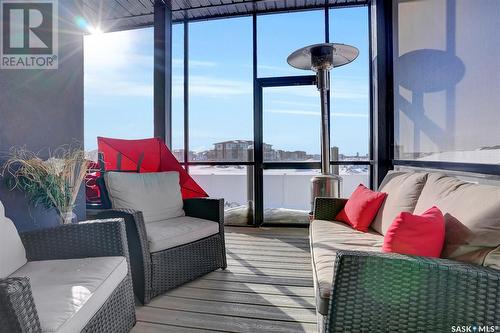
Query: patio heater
(321,58)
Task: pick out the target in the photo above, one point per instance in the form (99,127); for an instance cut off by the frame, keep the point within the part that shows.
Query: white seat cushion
(68,293)
(12,252)
(326,239)
(178,231)
(157,194)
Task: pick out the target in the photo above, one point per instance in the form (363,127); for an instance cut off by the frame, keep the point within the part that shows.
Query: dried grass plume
(51,183)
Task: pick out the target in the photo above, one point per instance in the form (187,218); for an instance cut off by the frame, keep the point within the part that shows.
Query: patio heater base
(325,186)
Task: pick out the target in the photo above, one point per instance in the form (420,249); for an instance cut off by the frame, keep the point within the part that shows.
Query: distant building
(238,150)
(234,150)
(298,155)
(269,153)
(179,155)
(242,150)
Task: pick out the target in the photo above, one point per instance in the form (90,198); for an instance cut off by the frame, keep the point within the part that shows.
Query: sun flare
(106,48)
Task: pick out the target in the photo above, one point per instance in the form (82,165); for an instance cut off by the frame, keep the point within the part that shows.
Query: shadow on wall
(419,76)
(429,71)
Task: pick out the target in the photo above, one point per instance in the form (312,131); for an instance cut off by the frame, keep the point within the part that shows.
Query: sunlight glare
(95,31)
(107,49)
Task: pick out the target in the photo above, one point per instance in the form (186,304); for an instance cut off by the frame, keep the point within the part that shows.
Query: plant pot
(68,217)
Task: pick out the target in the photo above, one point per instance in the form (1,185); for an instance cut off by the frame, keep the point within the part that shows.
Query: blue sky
(119,79)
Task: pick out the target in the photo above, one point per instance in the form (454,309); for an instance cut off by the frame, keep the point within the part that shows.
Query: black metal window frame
(382,159)
(258,83)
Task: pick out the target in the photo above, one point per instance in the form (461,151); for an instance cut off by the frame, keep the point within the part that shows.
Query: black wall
(43,109)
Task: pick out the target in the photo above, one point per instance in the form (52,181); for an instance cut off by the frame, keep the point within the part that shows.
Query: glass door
(289,142)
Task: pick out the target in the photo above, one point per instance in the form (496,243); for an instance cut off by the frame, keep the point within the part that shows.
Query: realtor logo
(29,34)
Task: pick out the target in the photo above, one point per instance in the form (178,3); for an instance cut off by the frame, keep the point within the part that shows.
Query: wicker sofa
(167,254)
(360,289)
(72,278)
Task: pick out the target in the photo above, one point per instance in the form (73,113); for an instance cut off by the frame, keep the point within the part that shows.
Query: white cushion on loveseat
(178,231)
(157,195)
(326,239)
(403,190)
(68,293)
(12,252)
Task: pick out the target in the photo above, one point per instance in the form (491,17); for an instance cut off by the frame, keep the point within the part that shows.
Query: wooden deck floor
(267,288)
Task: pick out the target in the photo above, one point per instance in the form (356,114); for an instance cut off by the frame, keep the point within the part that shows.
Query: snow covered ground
(482,156)
(286,192)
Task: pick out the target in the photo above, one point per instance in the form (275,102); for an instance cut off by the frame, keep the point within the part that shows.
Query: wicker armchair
(154,273)
(381,292)
(18,312)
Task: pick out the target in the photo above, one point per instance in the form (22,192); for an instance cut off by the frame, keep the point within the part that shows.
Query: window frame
(258,83)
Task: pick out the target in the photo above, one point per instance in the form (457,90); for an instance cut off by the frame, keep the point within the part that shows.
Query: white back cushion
(157,195)
(472,217)
(403,190)
(12,252)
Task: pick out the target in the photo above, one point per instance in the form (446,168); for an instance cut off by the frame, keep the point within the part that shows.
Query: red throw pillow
(418,235)
(361,208)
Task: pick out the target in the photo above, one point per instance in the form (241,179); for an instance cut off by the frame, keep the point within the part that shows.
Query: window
(118,85)
(279,35)
(350,84)
(292,119)
(234,183)
(221,110)
(352,176)
(286,195)
(445,96)
(221,89)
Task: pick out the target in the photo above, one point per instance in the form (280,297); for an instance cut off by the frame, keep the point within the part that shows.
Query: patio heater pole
(323,83)
(321,58)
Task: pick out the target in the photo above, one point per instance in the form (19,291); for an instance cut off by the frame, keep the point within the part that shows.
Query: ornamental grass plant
(52,183)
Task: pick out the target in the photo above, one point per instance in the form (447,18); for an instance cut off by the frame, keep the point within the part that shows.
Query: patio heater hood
(321,58)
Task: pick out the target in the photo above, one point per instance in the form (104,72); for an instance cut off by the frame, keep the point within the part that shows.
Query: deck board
(237,247)
(243,257)
(251,287)
(267,287)
(223,308)
(246,297)
(270,271)
(266,264)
